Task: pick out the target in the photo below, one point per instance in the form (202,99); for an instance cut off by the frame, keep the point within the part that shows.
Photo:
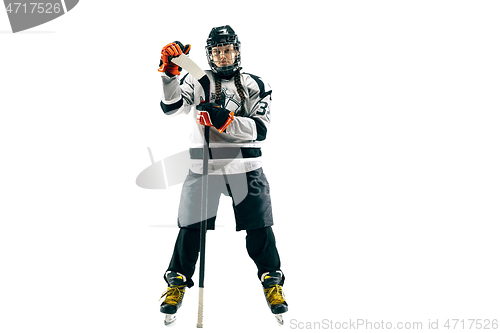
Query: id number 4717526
(33,7)
(470,324)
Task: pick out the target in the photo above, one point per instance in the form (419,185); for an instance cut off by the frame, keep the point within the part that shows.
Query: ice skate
(273,290)
(173,296)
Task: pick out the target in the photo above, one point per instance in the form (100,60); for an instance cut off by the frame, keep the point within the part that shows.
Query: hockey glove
(210,114)
(170,51)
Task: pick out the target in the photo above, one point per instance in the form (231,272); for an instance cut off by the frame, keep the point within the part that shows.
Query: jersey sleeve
(254,125)
(177,95)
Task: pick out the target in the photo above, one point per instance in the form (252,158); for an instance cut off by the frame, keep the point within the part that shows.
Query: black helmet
(223,36)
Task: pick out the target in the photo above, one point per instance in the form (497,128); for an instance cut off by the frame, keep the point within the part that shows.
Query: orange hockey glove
(170,51)
(210,114)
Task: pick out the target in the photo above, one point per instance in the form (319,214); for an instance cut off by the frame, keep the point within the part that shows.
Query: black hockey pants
(260,243)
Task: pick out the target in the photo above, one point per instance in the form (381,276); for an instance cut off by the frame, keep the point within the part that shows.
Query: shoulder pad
(260,86)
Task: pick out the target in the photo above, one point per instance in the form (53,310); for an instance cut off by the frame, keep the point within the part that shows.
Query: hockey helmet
(223,38)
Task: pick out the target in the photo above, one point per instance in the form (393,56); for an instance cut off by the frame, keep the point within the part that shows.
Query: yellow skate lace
(173,295)
(274,294)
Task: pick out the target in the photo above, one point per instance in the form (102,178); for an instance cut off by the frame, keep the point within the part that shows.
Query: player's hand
(170,51)
(211,114)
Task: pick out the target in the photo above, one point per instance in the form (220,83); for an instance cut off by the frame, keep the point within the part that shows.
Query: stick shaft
(203,229)
(200,309)
(204,206)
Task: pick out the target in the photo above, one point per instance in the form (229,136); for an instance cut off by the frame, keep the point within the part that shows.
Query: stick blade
(185,62)
(192,68)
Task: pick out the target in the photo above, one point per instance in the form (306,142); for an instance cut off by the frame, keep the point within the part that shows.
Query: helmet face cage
(232,58)
(223,38)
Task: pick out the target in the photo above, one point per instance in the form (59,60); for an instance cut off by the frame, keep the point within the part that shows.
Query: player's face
(224,55)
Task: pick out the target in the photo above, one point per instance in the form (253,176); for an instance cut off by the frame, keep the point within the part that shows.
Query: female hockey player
(238,116)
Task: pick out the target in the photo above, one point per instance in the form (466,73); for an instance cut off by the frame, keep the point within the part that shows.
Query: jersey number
(263,106)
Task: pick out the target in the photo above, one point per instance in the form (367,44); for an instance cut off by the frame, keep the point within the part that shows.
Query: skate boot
(273,290)
(173,296)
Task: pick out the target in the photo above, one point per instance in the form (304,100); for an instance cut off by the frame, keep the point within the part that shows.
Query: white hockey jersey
(238,148)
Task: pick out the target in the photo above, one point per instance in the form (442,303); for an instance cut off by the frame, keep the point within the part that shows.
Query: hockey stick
(200,75)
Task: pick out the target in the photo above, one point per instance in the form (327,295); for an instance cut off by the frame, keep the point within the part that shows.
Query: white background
(383,160)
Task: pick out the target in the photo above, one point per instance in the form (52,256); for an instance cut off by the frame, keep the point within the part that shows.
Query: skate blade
(279,318)
(169,319)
